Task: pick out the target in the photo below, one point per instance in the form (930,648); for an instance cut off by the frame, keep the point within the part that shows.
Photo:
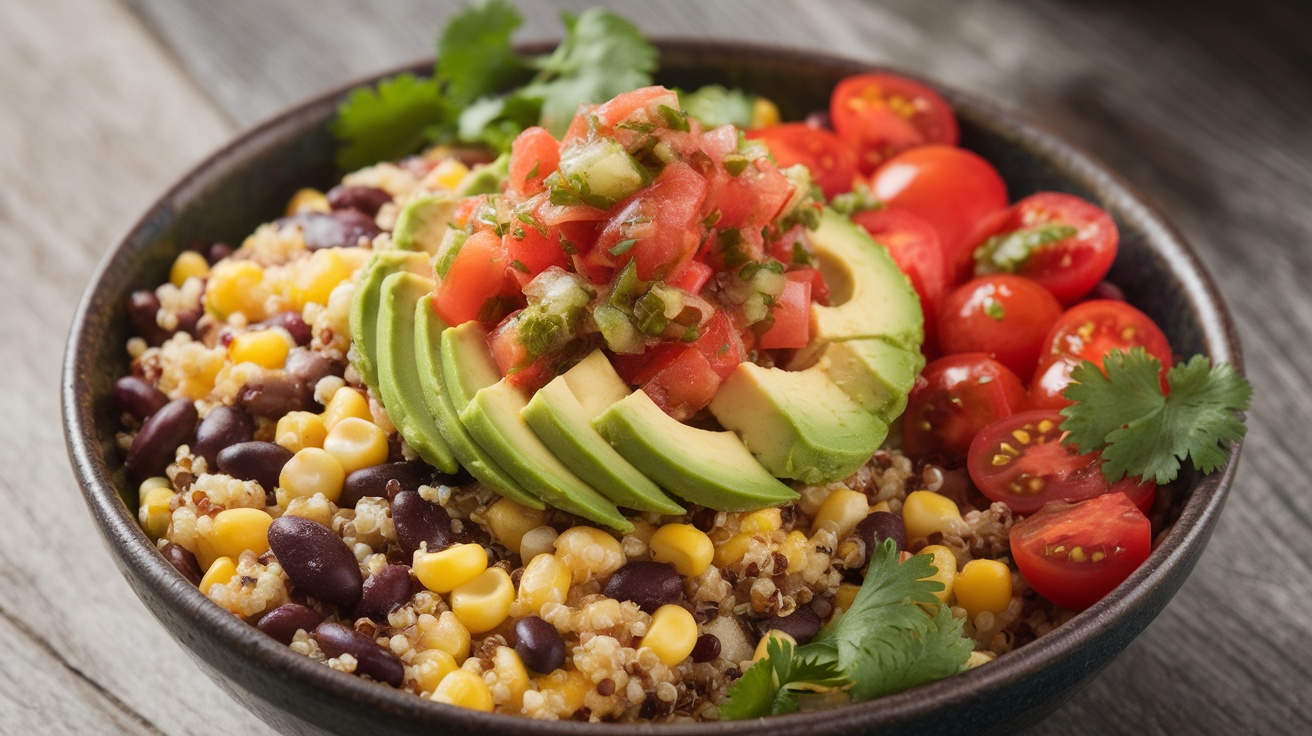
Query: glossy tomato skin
(956,397)
(1088,331)
(1006,316)
(663,221)
(881,114)
(915,247)
(832,160)
(1074,554)
(1073,265)
(952,189)
(534,155)
(477,275)
(1020,461)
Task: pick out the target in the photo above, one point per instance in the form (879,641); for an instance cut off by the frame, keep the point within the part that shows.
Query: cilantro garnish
(387,121)
(1145,432)
(715,105)
(860,199)
(622,247)
(1008,252)
(994,309)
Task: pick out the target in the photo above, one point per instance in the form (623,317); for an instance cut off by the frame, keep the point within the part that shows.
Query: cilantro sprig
(1143,431)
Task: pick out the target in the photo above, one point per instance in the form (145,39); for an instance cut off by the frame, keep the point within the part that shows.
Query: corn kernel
(311,470)
(484,602)
(762,650)
(445,633)
(979,658)
(794,549)
(764,113)
(843,509)
(589,552)
(733,549)
(155,481)
(188,264)
(356,443)
(946,562)
(308,200)
(345,402)
(236,530)
(845,595)
(926,512)
(236,286)
(315,278)
(511,673)
(763,521)
(154,512)
(298,430)
(446,175)
(431,665)
(442,571)
(541,540)
(983,585)
(220,572)
(510,521)
(464,689)
(672,634)
(684,546)
(881,506)
(265,348)
(545,580)
(568,685)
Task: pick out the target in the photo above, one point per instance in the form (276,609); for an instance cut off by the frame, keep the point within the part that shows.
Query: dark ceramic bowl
(247,183)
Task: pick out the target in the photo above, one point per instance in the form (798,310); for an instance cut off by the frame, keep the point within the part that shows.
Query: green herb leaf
(622,247)
(752,695)
(994,309)
(474,57)
(388,121)
(860,199)
(674,119)
(1008,252)
(714,105)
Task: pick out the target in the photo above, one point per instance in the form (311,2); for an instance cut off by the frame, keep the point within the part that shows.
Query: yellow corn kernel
(316,278)
(298,430)
(445,633)
(672,634)
(733,549)
(345,402)
(539,541)
(311,470)
(845,595)
(236,286)
(188,264)
(794,548)
(236,530)
(431,665)
(545,580)
(464,689)
(764,113)
(155,481)
(510,521)
(843,509)
(926,512)
(308,200)
(266,348)
(220,572)
(446,175)
(570,685)
(761,647)
(511,673)
(684,546)
(589,552)
(484,602)
(983,585)
(442,571)
(763,521)
(154,512)
(946,562)
(978,658)
(356,443)
(881,506)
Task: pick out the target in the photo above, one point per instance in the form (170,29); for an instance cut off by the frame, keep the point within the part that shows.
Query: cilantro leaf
(715,105)
(1008,252)
(752,695)
(1145,432)
(474,57)
(388,121)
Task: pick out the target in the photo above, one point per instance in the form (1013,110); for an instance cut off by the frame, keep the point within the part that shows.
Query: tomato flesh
(832,160)
(1006,316)
(659,227)
(792,316)
(957,396)
(477,276)
(1088,331)
(684,386)
(882,114)
(533,156)
(915,247)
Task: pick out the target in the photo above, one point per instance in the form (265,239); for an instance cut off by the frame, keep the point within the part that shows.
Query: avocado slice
(423,221)
(467,364)
(713,469)
(877,374)
(364,307)
(398,375)
(486,178)
(561,414)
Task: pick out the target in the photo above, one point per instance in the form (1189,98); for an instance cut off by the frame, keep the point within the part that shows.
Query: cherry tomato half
(915,247)
(957,396)
(1020,461)
(1074,554)
(832,160)
(882,114)
(1088,331)
(1006,316)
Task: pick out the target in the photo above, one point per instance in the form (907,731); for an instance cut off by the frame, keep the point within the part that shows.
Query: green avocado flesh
(877,374)
(713,469)
(423,221)
(398,374)
(564,424)
(428,329)
(467,364)
(364,307)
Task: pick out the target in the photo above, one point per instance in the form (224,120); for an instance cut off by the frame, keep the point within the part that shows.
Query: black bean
(255,460)
(418,521)
(156,444)
(283,622)
(223,427)
(384,591)
(187,321)
(802,624)
(142,307)
(707,648)
(539,645)
(877,527)
(366,199)
(371,659)
(372,481)
(274,395)
(309,367)
(183,561)
(318,562)
(648,584)
(138,397)
(294,323)
(340,229)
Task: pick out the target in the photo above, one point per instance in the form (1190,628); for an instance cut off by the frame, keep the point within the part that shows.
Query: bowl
(245,184)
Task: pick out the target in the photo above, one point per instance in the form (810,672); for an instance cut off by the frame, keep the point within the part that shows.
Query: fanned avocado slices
(364,307)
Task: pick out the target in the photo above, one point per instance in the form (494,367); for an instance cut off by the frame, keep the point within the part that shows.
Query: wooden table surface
(1205,107)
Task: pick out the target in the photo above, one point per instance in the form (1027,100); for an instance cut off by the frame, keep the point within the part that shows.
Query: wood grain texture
(1202,106)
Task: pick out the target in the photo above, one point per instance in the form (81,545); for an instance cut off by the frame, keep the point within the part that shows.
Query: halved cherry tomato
(659,227)
(1006,316)
(792,315)
(832,160)
(883,114)
(950,188)
(534,155)
(915,247)
(1020,461)
(1067,266)
(955,398)
(1088,331)
(1074,554)
(685,386)
(475,279)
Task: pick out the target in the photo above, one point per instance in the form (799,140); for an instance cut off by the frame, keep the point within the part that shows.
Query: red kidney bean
(223,427)
(372,481)
(417,521)
(182,561)
(283,622)
(142,307)
(802,624)
(371,659)
(539,645)
(706,649)
(254,460)
(340,229)
(384,591)
(275,395)
(366,199)
(318,562)
(648,584)
(309,367)
(217,252)
(156,444)
(138,397)
(187,321)
(294,323)
(877,527)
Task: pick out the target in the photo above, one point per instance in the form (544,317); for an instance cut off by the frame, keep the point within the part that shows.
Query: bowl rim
(128,541)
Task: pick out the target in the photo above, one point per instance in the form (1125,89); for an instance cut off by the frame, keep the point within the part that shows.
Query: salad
(600,400)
